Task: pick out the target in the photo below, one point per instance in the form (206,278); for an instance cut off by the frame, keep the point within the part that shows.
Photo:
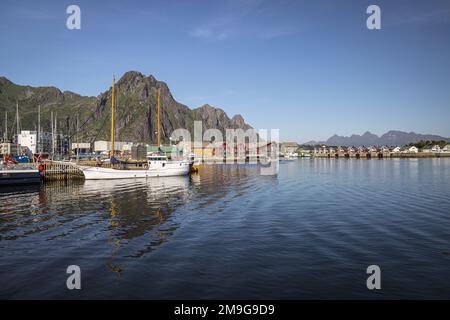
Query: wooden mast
(112,118)
(159,119)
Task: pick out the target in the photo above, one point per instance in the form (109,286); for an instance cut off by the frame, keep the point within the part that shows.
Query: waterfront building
(396,149)
(446,148)
(289,148)
(412,149)
(9,148)
(32,142)
(83,147)
(431,149)
(105,146)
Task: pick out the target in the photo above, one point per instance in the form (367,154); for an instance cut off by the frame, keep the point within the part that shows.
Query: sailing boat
(156,165)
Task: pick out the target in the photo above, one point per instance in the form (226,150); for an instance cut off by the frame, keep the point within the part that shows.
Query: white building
(104,146)
(83,147)
(446,149)
(28,140)
(396,149)
(413,149)
(431,149)
(9,148)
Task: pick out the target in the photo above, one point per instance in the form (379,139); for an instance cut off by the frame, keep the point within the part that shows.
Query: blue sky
(309,68)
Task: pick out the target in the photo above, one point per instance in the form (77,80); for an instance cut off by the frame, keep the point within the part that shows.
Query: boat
(19,177)
(155,165)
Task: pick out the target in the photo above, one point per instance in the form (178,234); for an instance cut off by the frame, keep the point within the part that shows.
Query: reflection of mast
(116,243)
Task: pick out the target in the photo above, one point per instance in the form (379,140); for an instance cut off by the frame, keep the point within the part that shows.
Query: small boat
(156,166)
(19,177)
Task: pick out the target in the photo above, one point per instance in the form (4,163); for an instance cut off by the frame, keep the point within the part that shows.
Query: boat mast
(112,118)
(56,132)
(6,126)
(18,126)
(78,140)
(159,119)
(53,135)
(38,149)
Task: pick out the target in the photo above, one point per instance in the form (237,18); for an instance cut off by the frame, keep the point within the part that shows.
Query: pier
(59,171)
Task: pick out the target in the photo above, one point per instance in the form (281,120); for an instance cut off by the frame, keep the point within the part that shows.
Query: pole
(39,130)
(78,140)
(6,126)
(53,136)
(159,119)
(17,129)
(112,118)
(56,132)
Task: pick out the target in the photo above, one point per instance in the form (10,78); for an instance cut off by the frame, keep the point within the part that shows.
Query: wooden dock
(60,171)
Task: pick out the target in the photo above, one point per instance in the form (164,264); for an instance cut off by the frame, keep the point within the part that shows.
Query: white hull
(170,169)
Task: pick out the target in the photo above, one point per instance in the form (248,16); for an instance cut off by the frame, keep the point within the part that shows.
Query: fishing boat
(155,165)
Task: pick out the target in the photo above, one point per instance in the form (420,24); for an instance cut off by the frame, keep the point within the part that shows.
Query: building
(446,149)
(28,140)
(32,143)
(81,147)
(396,149)
(432,149)
(9,148)
(105,146)
(412,149)
(289,148)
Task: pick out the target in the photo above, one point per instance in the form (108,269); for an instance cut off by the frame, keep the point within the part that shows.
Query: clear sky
(310,68)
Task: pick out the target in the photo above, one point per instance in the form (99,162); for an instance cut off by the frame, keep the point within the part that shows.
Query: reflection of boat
(156,187)
(155,166)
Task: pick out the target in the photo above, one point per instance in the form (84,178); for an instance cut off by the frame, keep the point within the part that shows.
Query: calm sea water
(227,232)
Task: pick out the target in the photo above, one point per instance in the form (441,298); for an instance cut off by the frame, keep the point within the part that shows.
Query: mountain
(390,138)
(135,113)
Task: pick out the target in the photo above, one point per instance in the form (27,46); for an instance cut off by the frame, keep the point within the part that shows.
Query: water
(309,232)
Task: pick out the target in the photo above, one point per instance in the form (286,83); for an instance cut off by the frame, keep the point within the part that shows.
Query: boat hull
(19,177)
(99,173)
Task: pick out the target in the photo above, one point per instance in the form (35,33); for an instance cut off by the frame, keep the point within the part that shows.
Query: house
(431,149)
(208,150)
(10,148)
(446,148)
(396,149)
(104,146)
(83,147)
(289,148)
(412,149)
(35,142)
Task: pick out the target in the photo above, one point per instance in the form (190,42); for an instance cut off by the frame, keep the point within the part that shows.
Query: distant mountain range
(390,138)
(135,114)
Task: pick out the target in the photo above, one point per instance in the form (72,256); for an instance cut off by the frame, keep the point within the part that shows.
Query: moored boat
(19,177)
(156,166)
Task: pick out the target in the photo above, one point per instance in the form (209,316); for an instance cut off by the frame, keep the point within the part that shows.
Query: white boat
(157,166)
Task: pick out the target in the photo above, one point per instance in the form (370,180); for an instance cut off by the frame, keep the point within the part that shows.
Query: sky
(309,68)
